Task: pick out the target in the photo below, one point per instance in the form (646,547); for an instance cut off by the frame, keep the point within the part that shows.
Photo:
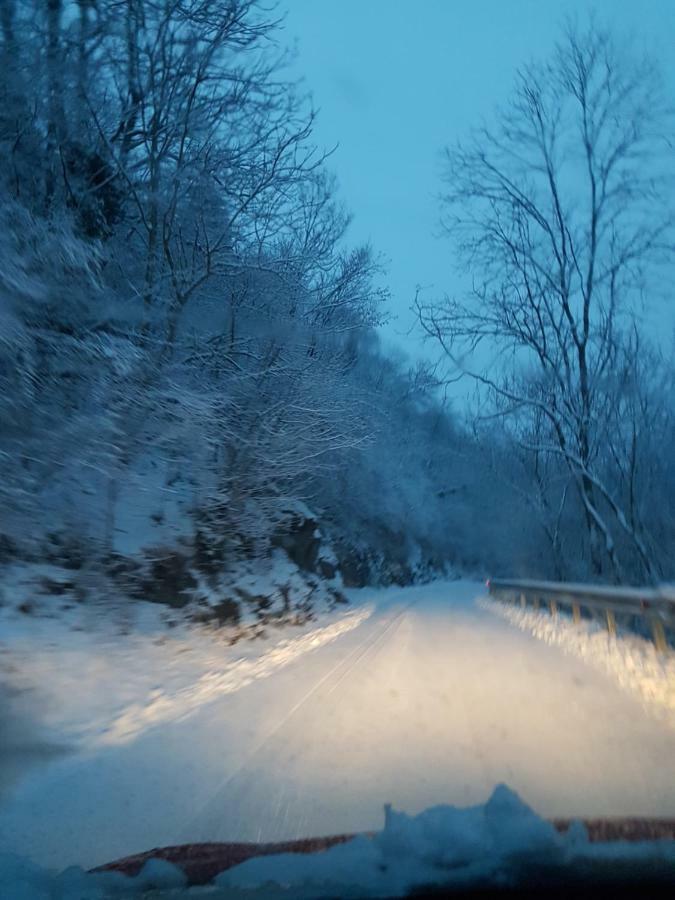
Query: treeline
(561,211)
(184,323)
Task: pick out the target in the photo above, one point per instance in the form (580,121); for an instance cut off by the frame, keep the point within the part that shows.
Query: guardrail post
(553,606)
(523,601)
(611,622)
(659,635)
(576,613)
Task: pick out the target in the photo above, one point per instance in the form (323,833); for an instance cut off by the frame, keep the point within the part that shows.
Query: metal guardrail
(656,606)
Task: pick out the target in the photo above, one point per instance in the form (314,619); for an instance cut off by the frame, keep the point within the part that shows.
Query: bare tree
(560,212)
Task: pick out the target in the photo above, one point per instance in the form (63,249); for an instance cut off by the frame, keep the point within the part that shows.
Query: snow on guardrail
(643,668)
(656,606)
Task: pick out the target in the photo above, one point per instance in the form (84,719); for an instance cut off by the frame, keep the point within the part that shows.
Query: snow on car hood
(444,844)
(496,843)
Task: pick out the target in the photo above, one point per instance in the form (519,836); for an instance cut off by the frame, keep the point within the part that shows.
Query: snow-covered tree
(561,212)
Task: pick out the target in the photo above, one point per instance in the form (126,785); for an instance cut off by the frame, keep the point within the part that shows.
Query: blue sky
(396,80)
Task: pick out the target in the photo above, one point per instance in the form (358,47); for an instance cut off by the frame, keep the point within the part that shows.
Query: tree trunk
(56,124)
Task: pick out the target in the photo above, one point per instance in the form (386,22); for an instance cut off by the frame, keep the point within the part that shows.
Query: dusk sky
(397,81)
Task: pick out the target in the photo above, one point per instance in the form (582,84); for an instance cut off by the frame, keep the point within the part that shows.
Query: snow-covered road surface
(431,699)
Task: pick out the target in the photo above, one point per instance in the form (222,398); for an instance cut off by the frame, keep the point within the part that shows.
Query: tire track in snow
(347,664)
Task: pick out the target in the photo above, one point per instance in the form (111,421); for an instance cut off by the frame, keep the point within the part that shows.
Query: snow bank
(631,661)
(499,843)
(105,672)
(230,676)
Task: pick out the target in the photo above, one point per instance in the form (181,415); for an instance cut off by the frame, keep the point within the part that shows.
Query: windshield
(336,444)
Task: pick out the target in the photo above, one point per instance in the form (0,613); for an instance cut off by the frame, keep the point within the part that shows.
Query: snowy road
(429,700)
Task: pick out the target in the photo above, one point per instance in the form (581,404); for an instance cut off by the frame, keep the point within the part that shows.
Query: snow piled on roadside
(501,842)
(161,706)
(104,672)
(631,661)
